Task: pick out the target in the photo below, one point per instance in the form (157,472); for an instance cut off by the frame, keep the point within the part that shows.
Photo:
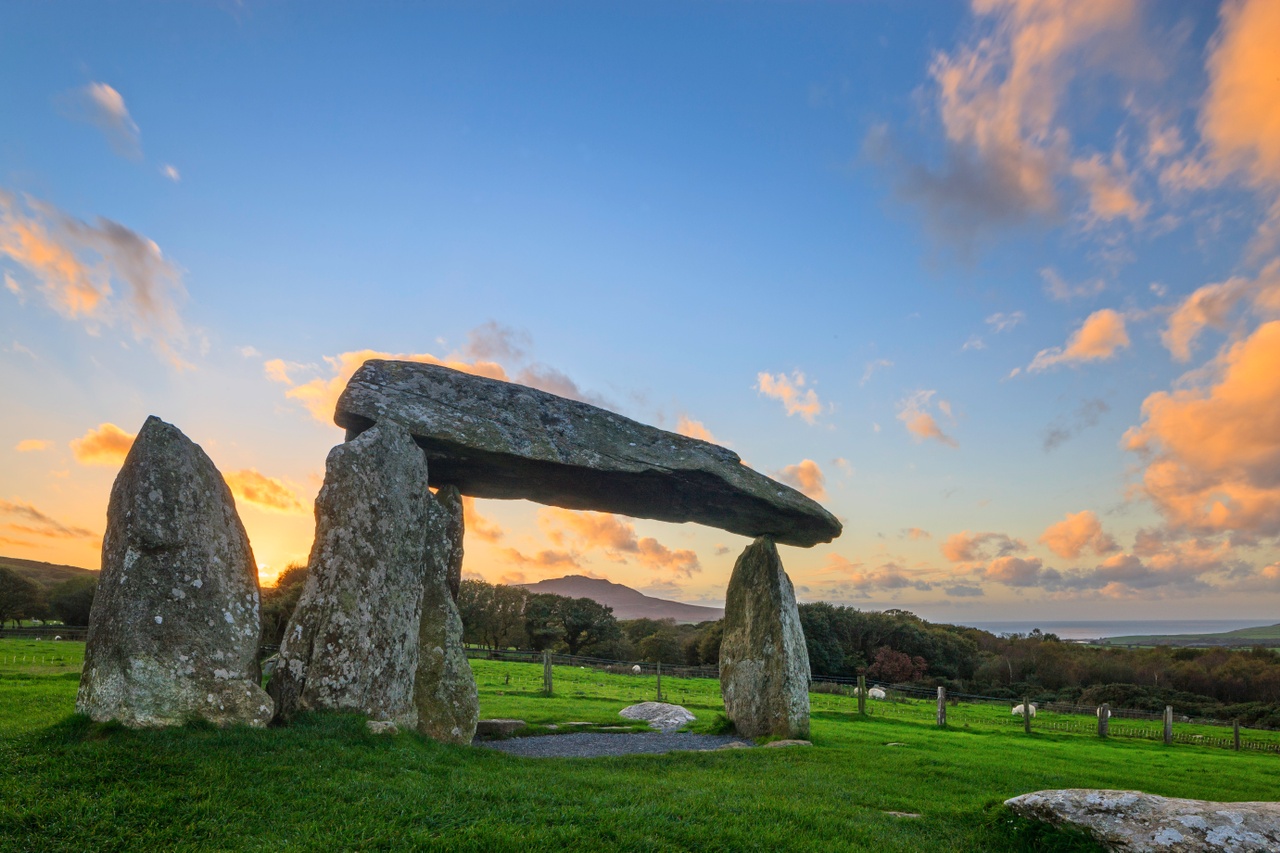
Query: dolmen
(175,629)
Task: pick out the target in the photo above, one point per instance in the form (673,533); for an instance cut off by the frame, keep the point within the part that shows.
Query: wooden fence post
(546,671)
(1104,717)
(1235,735)
(1168,725)
(659,681)
(862,695)
(1026,715)
(942,707)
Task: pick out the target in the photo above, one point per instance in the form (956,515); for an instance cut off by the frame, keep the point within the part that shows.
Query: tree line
(68,602)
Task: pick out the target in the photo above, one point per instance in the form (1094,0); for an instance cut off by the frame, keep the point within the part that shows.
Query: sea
(1085,629)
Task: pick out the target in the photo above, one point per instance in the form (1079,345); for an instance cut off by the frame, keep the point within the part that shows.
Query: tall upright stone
(447,524)
(175,626)
(444,688)
(352,642)
(764,664)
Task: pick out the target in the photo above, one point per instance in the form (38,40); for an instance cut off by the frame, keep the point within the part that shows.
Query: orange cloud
(915,534)
(480,526)
(546,559)
(102,106)
(76,264)
(860,583)
(1213,452)
(1077,533)
(30,445)
(967,547)
(805,476)
(1020,572)
(797,399)
(25,518)
(1110,189)
(263,491)
(106,445)
(694,429)
(616,538)
(919,422)
(1097,339)
(1211,306)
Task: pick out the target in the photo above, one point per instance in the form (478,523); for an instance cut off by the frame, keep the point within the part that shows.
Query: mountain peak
(627,603)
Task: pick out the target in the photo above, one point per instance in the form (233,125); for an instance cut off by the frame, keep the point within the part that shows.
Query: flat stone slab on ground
(496,439)
(590,745)
(659,715)
(498,727)
(1146,823)
(789,742)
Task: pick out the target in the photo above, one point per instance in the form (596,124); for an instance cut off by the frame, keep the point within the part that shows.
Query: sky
(997,283)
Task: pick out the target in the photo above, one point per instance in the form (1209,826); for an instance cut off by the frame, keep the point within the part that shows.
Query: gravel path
(589,745)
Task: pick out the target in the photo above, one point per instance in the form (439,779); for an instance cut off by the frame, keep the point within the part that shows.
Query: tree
(585,622)
(72,600)
(19,597)
(279,601)
(541,619)
(895,667)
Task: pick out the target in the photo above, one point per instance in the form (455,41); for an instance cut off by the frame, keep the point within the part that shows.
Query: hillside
(1263,635)
(627,603)
(45,574)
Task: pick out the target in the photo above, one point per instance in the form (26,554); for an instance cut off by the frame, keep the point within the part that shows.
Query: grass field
(326,784)
(1240,638)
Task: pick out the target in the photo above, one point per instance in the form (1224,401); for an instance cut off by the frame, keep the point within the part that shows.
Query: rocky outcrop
(496,439)
(659,715)
(444,688)
(352,642)
(764,664)
(174,629)
(1138,822)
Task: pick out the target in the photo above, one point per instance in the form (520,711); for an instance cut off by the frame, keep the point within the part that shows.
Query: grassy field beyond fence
(887,781)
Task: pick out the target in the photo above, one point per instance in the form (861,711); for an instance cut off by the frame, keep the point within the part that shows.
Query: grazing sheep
(1017,709)
(636,669)
(59,637)
(876,693)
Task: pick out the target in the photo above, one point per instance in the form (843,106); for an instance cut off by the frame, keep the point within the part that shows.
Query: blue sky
(968,241)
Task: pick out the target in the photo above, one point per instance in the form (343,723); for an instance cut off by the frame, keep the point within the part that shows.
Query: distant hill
(44,574)
(627,603)
(1263,635)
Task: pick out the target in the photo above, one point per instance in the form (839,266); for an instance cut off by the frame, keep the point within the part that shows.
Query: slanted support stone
(352,642)
(444,688)
(174,630)
(764,664)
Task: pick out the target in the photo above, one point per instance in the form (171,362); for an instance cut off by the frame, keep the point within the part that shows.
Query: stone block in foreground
(1146,823)
(496,439)
(764,663)
(174,630)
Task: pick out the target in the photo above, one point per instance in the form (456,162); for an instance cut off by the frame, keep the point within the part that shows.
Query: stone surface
(1134,821)
(499,727)
(381,727)
(174,630)
(659,715)
(764,664)
(789,742)
(444,687)
(446,524)
(496,439)
(352,642)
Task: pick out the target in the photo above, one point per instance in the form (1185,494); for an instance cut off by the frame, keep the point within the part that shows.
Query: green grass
(326,784)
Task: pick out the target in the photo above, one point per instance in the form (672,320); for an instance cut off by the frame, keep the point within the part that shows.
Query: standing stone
(174,630)
(444,688)
(447,525)
(352,642)
(764,664)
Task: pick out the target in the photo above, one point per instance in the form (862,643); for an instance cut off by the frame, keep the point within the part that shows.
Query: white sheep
(59,637)
(1018,709)
(876,693)
(636,669)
